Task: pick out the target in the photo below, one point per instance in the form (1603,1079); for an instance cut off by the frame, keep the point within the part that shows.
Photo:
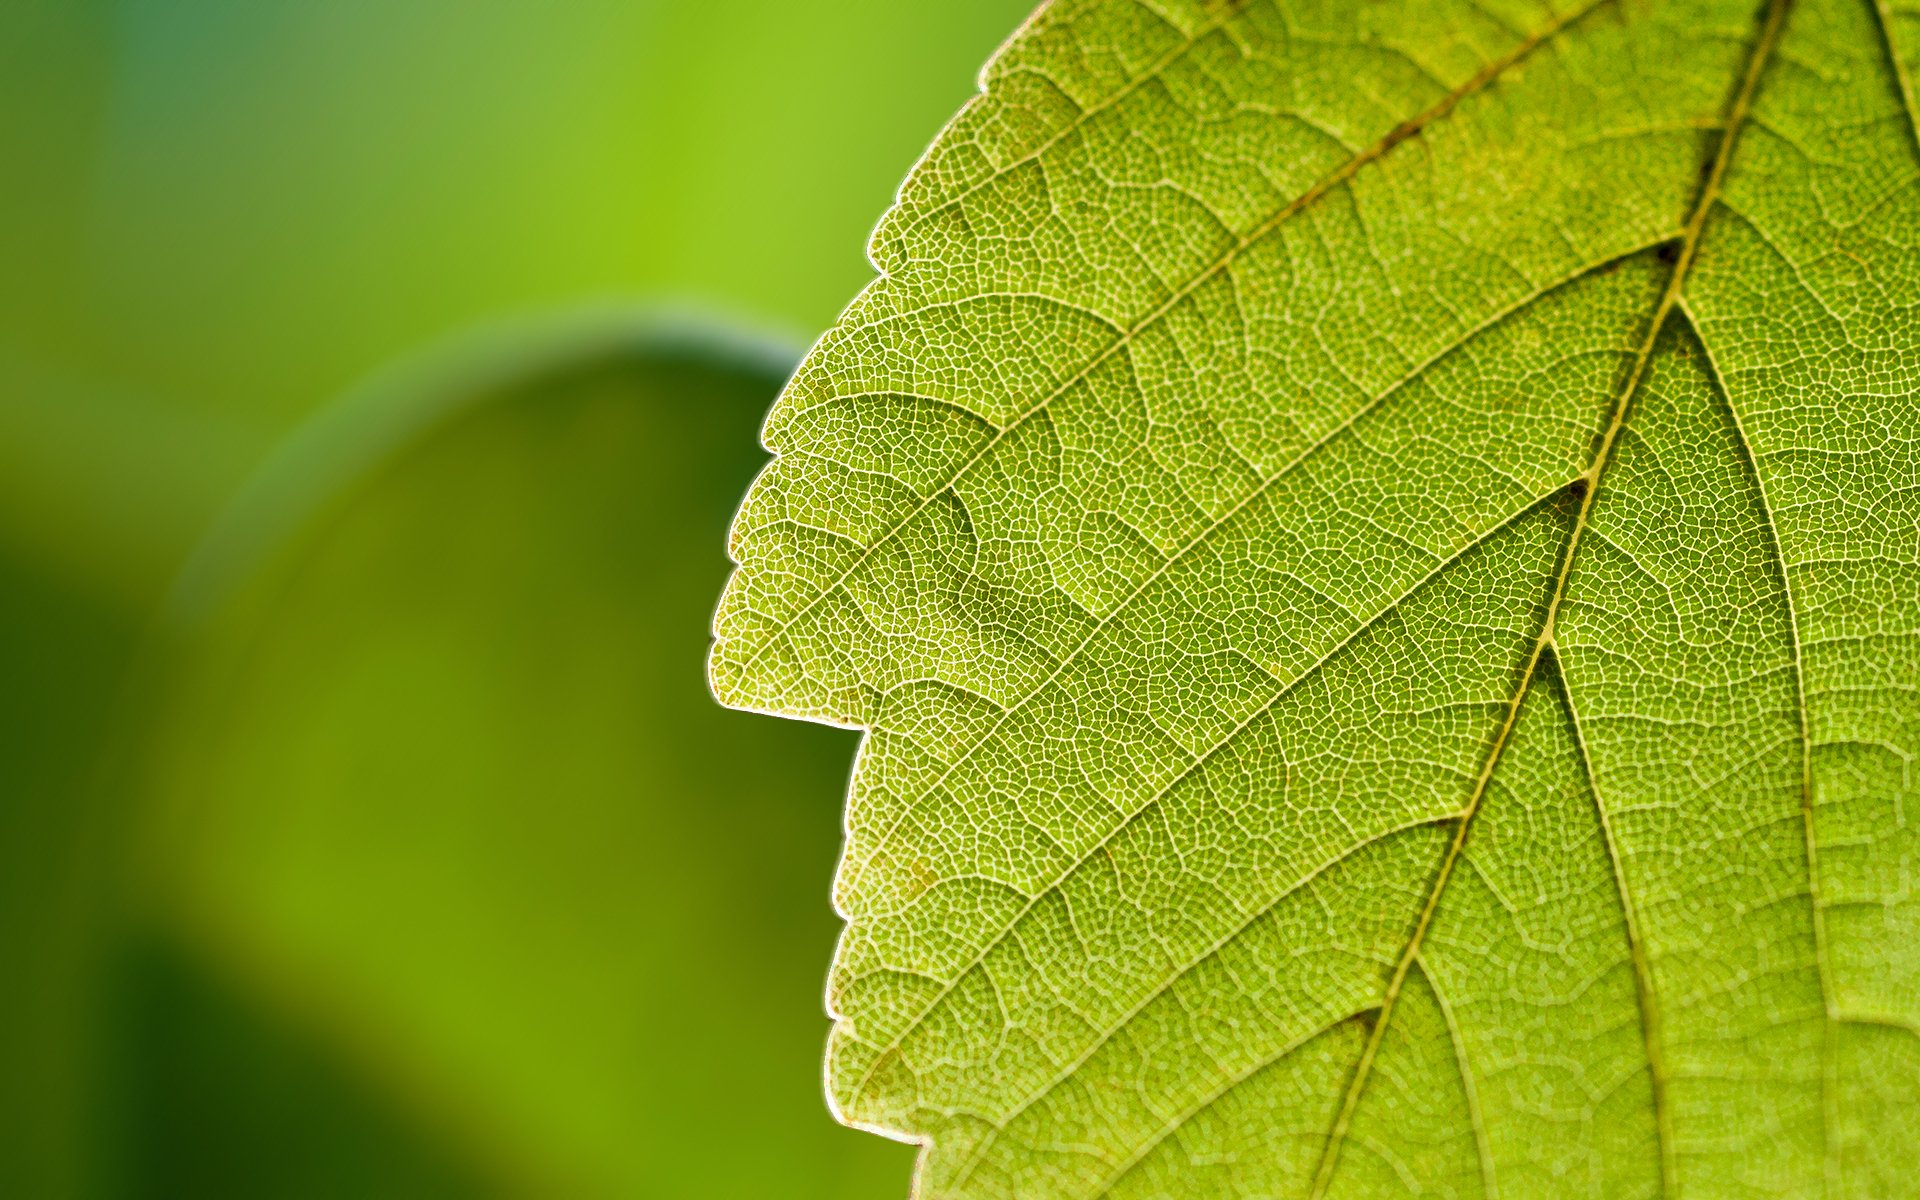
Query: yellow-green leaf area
(1377,547)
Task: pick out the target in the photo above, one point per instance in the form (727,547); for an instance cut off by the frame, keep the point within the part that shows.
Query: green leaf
(436,785)
(1378,549)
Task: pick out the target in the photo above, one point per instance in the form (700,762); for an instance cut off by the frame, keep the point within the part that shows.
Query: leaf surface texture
(1376,547)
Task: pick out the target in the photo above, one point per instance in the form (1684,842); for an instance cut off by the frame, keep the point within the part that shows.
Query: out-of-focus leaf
(283,195)
(65,654)
(217,1095)
(218,213)
(105,488)
(1379,548)
(440,780)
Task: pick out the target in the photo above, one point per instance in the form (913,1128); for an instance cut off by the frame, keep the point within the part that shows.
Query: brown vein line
(1167,1129)
(1222,942)
(1829,1048)
(1883,17)
(1768,36)
(1198,762)
(1488,1188)
(1877,1020)
(1650,1031)
(1125,603)
(1343,1121)
(1081,116)
(1352,167)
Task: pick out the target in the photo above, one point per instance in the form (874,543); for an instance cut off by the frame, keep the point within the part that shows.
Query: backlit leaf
(1377,549)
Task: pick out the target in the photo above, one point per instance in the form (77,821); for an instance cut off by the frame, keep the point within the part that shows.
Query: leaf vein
(1313,194)
(1766,38)
(1883,18)
(1170,561)
(1200,760)
(1226,939)
(1810,831)
(1650,1032)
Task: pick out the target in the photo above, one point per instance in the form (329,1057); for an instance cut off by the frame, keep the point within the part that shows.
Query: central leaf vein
(1767,38)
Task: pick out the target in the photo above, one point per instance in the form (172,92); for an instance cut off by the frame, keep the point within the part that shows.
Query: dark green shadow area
(218,1099)
(451,878)
(62,655)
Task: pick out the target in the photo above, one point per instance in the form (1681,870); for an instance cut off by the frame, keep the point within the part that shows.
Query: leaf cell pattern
(1378,550)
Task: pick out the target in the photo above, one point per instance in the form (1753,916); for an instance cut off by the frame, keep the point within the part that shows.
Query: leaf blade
(1105,589)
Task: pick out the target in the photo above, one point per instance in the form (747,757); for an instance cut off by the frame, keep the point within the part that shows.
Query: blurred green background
(377,378)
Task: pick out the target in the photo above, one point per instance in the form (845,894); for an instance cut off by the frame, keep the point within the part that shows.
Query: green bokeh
(440,782)
(233,209)
(218,215)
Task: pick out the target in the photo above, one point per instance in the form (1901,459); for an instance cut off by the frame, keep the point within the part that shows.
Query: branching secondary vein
(1650,1032)
(1213,527)
(1199,761)
(1399,133)
(1773,21)
(1883,17)
(1829,1048)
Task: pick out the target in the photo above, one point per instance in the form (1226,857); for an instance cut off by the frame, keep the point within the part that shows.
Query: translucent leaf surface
(1376,546)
